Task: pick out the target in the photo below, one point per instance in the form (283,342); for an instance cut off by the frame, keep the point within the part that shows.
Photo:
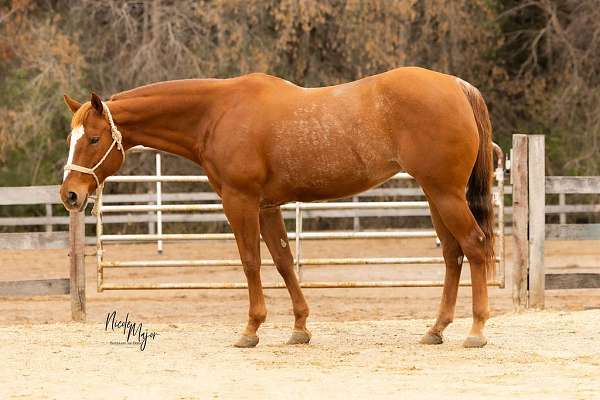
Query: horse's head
(95,151)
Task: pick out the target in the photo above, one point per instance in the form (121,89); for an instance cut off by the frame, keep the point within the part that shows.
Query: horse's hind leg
(454,211)
(453,257)
(274,234)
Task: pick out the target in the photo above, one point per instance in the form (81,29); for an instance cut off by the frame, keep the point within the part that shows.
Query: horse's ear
(73,104)
(97,103)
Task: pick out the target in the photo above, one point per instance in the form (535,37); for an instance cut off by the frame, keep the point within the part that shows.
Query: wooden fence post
(77,270)
(537,220)
(561,202)
(356,219)
(519,179)
(48,215)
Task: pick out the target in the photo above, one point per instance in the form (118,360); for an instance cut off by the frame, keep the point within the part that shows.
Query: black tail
(479,191)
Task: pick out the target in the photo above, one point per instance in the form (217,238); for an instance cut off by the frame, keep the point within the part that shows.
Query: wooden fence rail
(530,186)
(47,195)
(74,240)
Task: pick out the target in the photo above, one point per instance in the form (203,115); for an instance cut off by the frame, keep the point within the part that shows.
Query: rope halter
(117,141)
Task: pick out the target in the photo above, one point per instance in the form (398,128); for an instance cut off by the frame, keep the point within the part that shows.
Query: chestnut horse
(264,141)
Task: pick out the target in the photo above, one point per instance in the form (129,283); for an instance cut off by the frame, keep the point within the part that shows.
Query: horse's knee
(284,263)
(451,251)
(251,266)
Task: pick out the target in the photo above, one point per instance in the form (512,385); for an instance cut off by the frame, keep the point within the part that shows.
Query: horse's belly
(337,186)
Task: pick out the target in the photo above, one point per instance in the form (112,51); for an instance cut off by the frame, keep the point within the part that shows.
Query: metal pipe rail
(153,178)
(303,206)
(297,236)
(292,235)
(266,261)
(281,285)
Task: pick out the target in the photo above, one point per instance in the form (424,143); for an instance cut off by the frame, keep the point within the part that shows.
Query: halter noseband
(117,141)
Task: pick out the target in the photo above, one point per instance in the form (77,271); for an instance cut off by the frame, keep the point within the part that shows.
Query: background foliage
(536,62)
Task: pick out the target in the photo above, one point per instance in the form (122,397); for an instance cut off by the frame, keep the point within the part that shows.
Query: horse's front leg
(273,231)
(242,210)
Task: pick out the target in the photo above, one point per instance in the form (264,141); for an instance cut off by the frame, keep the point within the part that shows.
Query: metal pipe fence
(298,236)
(303,206)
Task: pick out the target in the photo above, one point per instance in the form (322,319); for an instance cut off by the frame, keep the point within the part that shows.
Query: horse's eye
(94,140)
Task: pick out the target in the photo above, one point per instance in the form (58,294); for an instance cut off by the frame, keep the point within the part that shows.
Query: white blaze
(76,134)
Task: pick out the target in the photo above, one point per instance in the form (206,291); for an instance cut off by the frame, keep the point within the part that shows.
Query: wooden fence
(51,221)
(46,195)
(530,186)
(74,240)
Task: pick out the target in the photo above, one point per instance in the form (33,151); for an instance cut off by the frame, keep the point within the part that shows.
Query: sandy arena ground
(365,341)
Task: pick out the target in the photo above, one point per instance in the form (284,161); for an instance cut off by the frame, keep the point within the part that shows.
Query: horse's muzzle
(72,199)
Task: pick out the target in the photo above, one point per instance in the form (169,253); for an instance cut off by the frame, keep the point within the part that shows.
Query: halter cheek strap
(117,141)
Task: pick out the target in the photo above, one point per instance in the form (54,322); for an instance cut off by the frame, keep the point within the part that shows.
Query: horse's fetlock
(259,316)
(301,312)
(481,315)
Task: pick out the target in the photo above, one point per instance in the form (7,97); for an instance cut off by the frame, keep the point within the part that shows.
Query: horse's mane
(159,88)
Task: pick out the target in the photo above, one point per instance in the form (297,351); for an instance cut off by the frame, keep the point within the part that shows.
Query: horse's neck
(168,121)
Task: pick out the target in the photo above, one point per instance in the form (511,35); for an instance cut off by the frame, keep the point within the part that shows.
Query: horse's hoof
(432,338)
(247,341)
(475,341)
(299,337)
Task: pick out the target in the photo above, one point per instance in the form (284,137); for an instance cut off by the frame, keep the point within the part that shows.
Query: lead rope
(97,201)
(118,141)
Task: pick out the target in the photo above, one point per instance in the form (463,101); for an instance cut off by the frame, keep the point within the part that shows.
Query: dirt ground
(358,359)
(365,341)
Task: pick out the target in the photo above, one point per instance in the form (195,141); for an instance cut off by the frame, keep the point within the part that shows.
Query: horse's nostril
(72,198)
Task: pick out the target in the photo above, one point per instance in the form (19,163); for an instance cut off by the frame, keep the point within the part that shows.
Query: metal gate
(298,235)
